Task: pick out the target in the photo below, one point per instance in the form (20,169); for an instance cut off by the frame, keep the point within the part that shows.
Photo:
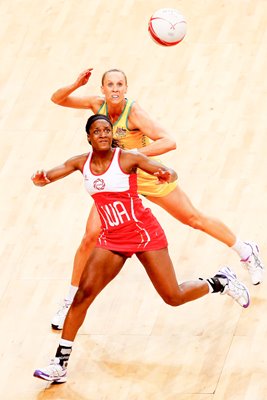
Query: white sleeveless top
(126,225)
(112,180)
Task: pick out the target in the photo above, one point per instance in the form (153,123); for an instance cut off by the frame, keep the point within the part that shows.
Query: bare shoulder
(78,161)
(129,159)
(96,103)
(136,110)
(138,117)
(91,102)
(130,153)
(133,156)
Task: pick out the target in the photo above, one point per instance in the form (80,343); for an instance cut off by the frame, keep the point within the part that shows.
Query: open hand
(40,178)
(84,77)
(163,176)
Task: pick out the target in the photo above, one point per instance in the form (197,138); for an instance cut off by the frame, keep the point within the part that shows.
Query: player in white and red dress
(127,227)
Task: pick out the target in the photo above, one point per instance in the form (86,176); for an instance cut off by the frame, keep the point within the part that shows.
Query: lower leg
(160,270)
(190,291)
(84,251)
(81,257)
(213,227)
(180,207)
(94,278)
(73,322)
(76,315)
(178,204)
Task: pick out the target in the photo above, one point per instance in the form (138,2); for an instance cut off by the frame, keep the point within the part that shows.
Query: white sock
(65,343)
(71,294)
(242,249)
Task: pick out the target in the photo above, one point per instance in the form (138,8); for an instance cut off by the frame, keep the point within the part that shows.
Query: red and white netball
(167,26)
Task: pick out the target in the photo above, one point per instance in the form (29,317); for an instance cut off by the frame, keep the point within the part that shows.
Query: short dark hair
(113,70)
(94,118)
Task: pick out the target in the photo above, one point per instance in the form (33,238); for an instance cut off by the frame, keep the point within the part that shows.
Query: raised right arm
(63,96)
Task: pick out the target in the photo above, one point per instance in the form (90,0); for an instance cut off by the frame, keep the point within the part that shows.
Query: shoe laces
(253,262)
(54,368)
(235,288)
(233,285)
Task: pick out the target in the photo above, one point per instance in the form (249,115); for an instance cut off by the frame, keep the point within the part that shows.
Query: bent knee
(174,300)
(83,295)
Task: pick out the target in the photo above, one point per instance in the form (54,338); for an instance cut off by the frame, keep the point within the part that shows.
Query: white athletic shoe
(234,288)
(54,372)
(254,265)
(59,318)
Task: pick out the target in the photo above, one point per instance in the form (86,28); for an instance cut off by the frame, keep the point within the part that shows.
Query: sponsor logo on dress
(99,184)
(120,133)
